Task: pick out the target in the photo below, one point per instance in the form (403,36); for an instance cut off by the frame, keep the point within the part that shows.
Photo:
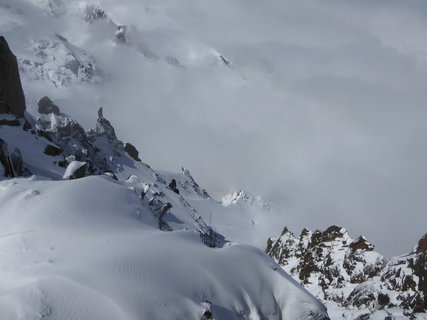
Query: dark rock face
(422,244)
(79,173)
(207,315)
(383,300)
(361,244)
(132,151)
(10,123)
(420,267)
(172,186)
(12,161)
(46,106)
(332,261)
(12,99)
(51,150)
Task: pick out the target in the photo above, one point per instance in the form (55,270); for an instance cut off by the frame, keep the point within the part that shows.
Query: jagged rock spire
(12,99)
(104,127)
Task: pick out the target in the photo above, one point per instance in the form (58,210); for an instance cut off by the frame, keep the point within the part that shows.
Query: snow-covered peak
(242,197)
(54,59)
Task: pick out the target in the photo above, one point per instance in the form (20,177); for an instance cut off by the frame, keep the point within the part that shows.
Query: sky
(323,111)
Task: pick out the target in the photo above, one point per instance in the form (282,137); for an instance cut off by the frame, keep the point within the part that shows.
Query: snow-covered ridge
(349,275)
(56,60)
(242,197)
(89,231)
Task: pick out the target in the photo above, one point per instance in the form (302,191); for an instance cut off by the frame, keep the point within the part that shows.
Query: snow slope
(88,249)
(89,231)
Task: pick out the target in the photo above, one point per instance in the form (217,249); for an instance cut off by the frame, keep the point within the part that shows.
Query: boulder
(75,170)
(12,99)
(132,151)
(51,150)
(46,106)
(12,161)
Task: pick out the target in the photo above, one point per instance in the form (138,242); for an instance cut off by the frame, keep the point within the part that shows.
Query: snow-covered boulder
(75,170)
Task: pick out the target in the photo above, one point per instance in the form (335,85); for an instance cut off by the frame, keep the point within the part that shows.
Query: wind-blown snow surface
(94,247)
(87,249)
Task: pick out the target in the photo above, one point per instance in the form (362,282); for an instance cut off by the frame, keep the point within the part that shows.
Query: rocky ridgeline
(99,148)
(351,274)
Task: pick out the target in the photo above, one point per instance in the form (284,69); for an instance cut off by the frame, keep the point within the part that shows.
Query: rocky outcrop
(12,161)
(94,13)
(10,123)
(350,273)
(103,127)
(75,170)
(98,148)
(191,184)
(132,151)
(173,187)
(46,106)
(12,99)
(51,150)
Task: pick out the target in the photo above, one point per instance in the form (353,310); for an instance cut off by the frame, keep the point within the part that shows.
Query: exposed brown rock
(361,244)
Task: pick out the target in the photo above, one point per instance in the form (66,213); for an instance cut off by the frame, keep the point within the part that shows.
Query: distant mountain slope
(349,273)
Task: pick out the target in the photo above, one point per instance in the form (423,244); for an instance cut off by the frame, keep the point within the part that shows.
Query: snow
(72,168)
(91,248)
(88,249)
(348,281)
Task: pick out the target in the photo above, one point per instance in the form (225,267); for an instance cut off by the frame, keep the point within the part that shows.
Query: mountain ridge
(350,274)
